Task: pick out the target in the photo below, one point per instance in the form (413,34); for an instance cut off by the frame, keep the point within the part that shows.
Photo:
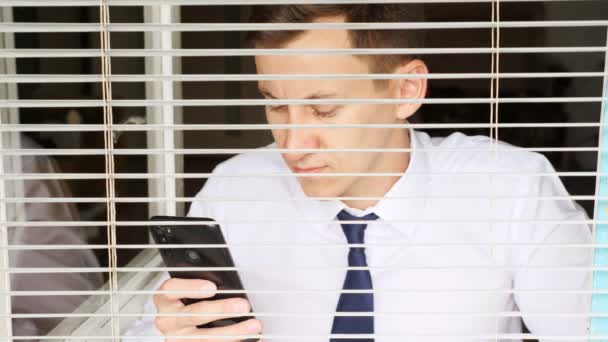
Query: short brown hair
(399,13)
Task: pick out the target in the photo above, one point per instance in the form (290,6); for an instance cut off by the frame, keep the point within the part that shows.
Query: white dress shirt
(458,254)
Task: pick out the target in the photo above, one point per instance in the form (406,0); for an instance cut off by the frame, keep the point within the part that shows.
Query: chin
(319,189)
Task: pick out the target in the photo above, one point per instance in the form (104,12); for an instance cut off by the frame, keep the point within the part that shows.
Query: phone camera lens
(193,256)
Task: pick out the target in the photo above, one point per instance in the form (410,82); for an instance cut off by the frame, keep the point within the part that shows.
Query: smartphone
(208,233)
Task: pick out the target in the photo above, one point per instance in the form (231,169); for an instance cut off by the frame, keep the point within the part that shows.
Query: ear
(410,88)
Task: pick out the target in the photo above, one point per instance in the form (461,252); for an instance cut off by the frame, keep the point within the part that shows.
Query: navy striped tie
(355,280)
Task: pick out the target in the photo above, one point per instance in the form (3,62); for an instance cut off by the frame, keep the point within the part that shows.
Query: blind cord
(108,118)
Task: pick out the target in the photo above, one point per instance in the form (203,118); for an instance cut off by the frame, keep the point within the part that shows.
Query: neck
(389,162)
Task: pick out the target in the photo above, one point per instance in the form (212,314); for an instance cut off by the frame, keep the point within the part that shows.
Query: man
(458,246)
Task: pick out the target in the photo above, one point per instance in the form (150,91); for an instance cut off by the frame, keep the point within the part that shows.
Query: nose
(298,138)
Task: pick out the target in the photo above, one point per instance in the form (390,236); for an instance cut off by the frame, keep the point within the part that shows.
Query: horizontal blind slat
(321,315)
(308,221)
(260,102)
(288,174)
(247,127)
(64,270)
(65,78)
(222,27)
(271,337)
(279,291)
(235,151)
(290,199)
(63,3)
(80,53)
(433,337)
(300,246)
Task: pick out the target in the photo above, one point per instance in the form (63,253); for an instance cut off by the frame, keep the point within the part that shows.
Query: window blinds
(108,90)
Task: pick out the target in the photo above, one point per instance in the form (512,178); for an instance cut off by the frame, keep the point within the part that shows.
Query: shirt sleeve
(144,328)
(550,281)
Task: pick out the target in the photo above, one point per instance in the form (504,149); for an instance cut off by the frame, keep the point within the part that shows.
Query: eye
(324,112)
(276,108)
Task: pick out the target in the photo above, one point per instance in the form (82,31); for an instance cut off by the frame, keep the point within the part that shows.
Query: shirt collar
(404,201)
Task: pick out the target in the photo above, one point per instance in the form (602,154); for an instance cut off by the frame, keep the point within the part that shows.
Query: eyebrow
(315,96)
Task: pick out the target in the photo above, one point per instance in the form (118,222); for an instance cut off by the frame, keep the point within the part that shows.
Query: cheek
(346,137)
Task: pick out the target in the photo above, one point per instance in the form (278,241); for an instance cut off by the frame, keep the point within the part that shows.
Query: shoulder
(461,153)
(484,166)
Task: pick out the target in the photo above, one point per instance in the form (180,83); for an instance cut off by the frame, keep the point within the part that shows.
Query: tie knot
(354,231)
(346,216)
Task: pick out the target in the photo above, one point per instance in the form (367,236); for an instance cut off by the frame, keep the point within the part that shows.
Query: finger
(249,327)
(190,288)
(222,308)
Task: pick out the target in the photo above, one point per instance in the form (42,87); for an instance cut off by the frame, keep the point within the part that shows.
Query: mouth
(311,170)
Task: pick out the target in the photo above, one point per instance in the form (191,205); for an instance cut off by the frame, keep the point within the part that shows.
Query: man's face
(329,137)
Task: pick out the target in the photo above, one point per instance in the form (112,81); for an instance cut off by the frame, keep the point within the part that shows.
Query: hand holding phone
(201,283)
(191,325)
